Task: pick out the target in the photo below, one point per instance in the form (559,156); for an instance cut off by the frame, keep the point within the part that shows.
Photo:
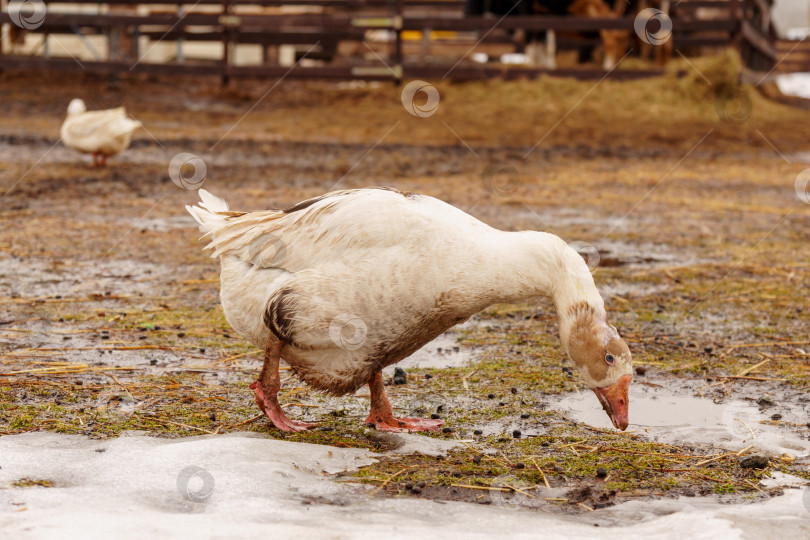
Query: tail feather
(207,213)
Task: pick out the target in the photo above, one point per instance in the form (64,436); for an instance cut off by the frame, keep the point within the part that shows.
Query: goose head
(604,361)
(76,106)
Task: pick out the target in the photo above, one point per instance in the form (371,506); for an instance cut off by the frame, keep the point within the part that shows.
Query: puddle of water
(442,352)
(676,418)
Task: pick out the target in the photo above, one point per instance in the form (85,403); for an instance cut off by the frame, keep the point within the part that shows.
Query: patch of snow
(794,84)
(244,485)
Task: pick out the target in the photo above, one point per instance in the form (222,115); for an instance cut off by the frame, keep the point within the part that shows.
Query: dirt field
(687,190)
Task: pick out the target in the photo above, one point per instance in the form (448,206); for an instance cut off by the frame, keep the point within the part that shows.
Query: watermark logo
(428,403)
(348,331)
(500,178)
(651,17)
(187,171)
(422,110)
(741,419)
(735,109)
(113,399)
(587,252)
(27,14)
(510,492)
(802,186)
(267,251)
(108,94)
(195,484)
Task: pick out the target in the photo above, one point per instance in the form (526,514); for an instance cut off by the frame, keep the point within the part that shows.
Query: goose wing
(342,227)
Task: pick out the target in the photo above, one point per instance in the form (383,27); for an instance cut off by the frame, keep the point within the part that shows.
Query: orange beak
(615,401)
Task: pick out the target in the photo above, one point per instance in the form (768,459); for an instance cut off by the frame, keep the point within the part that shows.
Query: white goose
(101,133)
(341,286)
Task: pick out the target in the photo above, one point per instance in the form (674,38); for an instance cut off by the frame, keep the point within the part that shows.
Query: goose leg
(382,415)
(103,160)
(95,159)
(266,389)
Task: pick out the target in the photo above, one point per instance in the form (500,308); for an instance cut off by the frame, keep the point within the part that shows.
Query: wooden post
(226,41)
(398,46)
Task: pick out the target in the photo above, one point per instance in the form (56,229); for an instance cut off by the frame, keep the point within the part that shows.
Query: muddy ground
(690,190)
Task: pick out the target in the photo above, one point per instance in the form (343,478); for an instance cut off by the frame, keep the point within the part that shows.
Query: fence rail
(130,26)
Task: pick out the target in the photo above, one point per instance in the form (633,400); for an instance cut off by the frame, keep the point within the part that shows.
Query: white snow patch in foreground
(128,488)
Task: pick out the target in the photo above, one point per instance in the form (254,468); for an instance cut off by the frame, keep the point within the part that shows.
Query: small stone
(520,465)
(448,430)
(157,327)
(776,416)
(641,370)
(478,432)
(707,349)
(400,377)
(503,439)
(491,396)
(153,362)
(421,484)
(181,334)
(327,428)
(409,486)
(525,415)
(477,459)
(513,390)
(601,472)
(516,434)
(435,416)
(202,350)
(689,493)
(213,416)
(765,401)
(416,490)
(223,335)
(428,376)
(754,461)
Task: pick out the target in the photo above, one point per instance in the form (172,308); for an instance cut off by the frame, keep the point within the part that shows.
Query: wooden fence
(320,27)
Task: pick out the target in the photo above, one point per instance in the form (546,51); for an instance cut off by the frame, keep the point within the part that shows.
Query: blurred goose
(101,133)
(342,285)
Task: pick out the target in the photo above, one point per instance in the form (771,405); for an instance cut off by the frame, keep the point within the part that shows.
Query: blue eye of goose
(609,358)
